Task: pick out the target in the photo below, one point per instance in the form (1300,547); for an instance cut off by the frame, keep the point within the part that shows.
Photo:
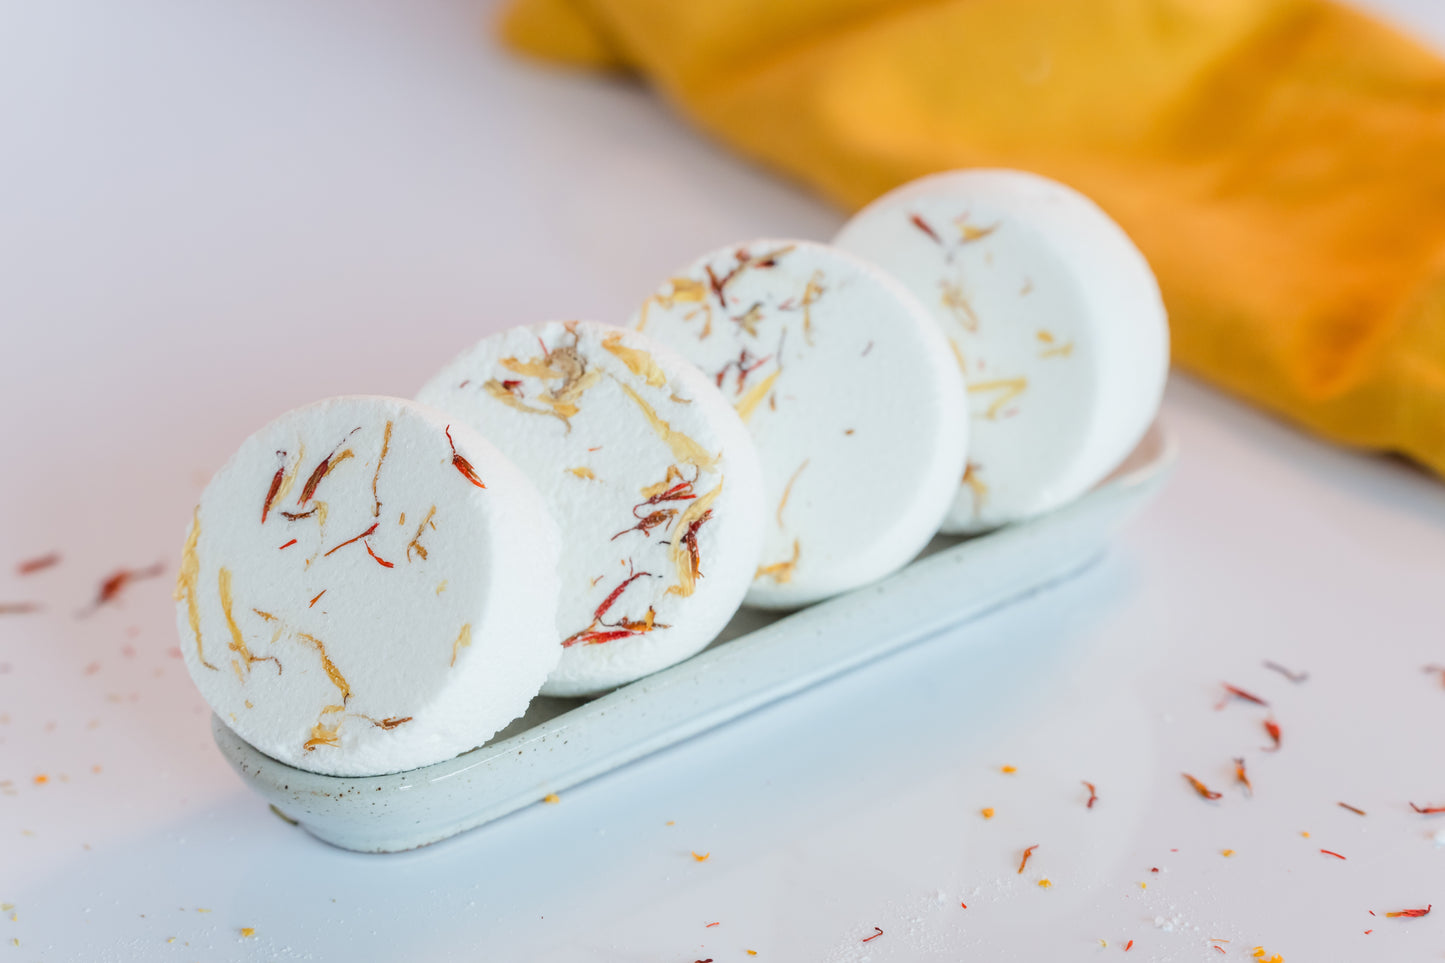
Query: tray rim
(324,805)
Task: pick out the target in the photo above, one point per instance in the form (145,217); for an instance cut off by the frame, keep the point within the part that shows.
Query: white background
(210,213)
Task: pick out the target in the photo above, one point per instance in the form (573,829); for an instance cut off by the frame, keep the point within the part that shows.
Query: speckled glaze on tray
(759,659)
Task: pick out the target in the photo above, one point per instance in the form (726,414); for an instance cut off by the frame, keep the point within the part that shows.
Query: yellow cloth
(1280,162)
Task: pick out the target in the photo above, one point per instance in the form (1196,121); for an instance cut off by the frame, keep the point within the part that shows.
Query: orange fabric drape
(1280,162)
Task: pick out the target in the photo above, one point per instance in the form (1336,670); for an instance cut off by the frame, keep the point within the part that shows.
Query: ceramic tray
(759,658)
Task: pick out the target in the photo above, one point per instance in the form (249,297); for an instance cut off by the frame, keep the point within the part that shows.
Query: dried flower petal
(186,584)
(639,362)
(781,572)
(1410,913)
(749,402)
(1241,694)
(32,565)
(238,641)
(385,447)
(684,449)
(461,464)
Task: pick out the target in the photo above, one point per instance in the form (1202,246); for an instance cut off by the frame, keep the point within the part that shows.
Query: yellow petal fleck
(464,639)
(683,291)
(186,581)
(681,556)
(957,304)
(415,544)
(684,449)
(551,797)
(332,673)
(811,292)
(248,931)
(1227,852)
(573,388)
(976,486)
(289,478)
(564,363)
(750,320)
(238,641)
(1007,390)
(531,369)
(639,362)
(674,475)
(376,475)
(958,356)
(700,858)
(562,409)
(756,394)
(968,233)
(687,290)
(705,310)
(987,812)
(322,734)
(1008,769)
(498,391)
(781,572)
(1045,883)
(583,472)
(788,490)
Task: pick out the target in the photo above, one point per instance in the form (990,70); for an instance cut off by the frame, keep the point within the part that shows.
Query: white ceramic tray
(759,658)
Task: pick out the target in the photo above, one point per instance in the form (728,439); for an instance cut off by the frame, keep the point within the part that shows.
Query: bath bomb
(850,392)
(1054,317)
(368,588)
(649,473)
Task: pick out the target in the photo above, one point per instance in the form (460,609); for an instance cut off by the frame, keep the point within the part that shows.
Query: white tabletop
(210,213)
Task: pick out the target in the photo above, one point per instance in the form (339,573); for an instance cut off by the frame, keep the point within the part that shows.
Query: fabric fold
(1278,161)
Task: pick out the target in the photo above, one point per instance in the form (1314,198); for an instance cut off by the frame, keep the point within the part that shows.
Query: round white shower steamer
(352,600)
(1054,317)
(649,473)
(850,392)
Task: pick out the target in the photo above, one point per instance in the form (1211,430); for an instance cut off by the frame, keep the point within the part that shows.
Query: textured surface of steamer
(367,588)
(649,473)
(1051,313)
(850,392)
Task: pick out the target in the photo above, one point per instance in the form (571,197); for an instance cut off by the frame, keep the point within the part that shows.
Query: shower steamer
(1052,314)
(650,474)
(850,392)
(368,588)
